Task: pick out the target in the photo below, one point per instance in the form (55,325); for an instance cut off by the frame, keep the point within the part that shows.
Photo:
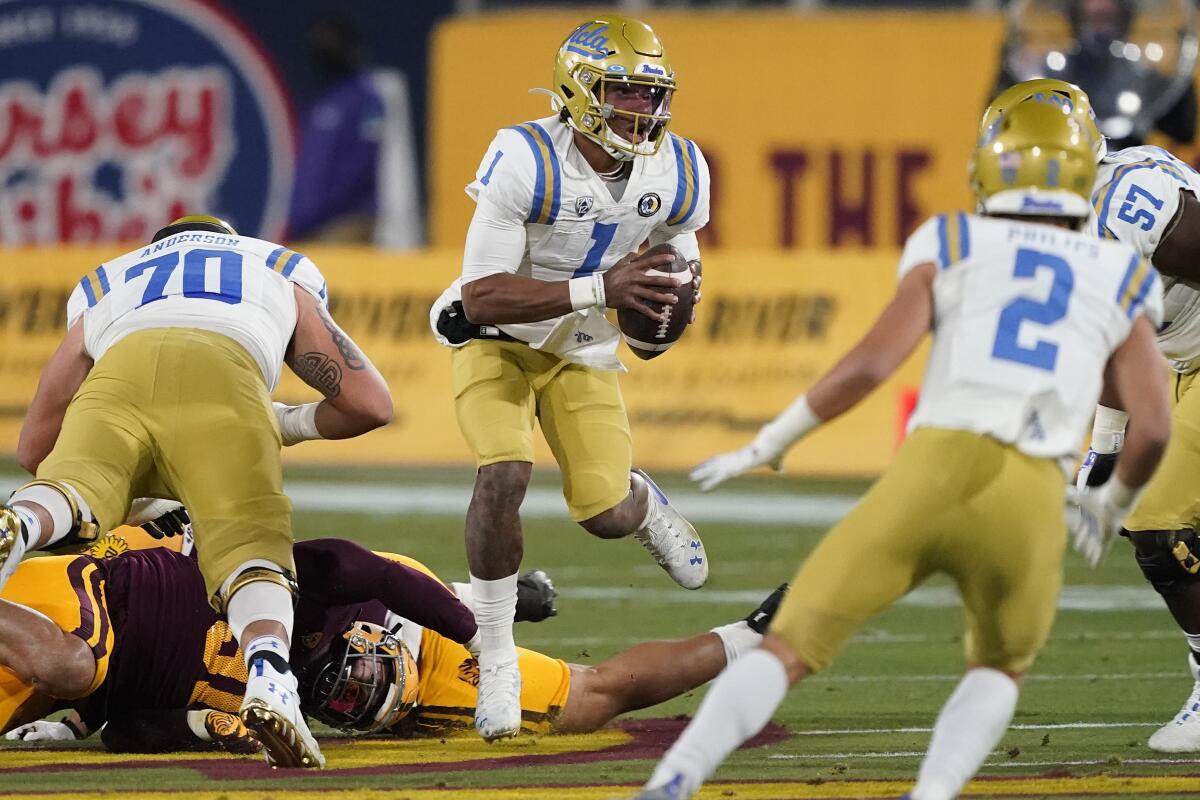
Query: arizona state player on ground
(1028,317)
(562,205)
(380,647)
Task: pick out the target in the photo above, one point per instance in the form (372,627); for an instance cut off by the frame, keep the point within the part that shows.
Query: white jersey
(543,212)
(1026,316)
(234,285)
(1135,201)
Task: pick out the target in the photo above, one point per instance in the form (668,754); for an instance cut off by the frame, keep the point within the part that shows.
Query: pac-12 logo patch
(583,204)
(649,204)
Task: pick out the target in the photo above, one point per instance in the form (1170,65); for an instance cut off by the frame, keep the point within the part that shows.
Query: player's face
(367,669)
(632,98)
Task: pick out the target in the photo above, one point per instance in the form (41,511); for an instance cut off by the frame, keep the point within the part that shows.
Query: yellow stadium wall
(769,323)
(822,130)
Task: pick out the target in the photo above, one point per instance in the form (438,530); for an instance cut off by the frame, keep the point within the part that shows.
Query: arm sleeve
(503,193)
(340,572)
(1138,204)
(923,246)
(152,730)
(308,277)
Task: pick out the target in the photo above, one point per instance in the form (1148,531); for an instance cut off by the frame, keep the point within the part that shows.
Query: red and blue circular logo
(116,118)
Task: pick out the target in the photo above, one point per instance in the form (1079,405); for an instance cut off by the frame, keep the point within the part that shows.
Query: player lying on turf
(1030,318)
(368,660)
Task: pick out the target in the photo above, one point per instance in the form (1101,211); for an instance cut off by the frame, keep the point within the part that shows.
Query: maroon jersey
(172,652)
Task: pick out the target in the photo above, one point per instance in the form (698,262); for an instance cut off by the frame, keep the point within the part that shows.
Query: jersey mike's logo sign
(117,118)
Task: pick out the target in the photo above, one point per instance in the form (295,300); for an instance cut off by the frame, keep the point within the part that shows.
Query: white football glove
(1095,517)
(718,469)
(42,731)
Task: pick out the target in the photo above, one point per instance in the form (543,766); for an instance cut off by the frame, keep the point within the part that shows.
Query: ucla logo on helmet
(1010,163)
(589,42)
(583,205)
(649,204)
(650,69)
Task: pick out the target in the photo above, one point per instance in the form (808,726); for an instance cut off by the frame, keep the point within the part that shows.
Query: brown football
(648,338)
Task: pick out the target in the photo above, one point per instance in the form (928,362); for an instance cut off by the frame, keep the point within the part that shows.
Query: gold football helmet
(1036,159)
(195,222)
(367,685)
(1074,99)
(604,52)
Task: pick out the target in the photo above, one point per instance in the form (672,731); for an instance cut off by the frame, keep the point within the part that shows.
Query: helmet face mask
(367,686)
(1035,160)
(594,70)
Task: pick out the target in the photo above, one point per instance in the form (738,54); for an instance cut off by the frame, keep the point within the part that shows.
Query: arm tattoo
(354,359)
(320,372)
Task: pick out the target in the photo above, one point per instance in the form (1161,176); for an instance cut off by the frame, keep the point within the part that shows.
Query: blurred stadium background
(349,129)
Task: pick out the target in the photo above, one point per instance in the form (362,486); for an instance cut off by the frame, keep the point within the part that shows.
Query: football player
(1028,317)
(562,205)
(1147,198)
(383,647)
(161,387)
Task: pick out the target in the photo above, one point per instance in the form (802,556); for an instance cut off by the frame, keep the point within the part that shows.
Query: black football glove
(535,597)
(173,523)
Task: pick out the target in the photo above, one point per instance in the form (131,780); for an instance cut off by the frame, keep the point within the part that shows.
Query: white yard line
(1069,726)
(1007,762)
(1083,676)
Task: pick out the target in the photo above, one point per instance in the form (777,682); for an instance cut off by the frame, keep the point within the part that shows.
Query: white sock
(739,638)
(55,505)
(739,704)
(967,729)
(495,607)
(256,601)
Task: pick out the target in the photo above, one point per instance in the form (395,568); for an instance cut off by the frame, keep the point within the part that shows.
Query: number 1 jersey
(233,285)
(1026,316)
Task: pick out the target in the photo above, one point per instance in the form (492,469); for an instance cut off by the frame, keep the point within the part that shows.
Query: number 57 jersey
(1026,316)
(237,286)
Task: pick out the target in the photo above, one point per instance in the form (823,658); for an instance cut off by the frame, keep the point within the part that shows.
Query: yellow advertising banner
(769,323)
(829,130)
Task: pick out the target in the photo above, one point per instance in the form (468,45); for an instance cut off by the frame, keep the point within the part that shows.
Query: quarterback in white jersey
(161,388)
(1028,315)
(562,206)
(1147,198)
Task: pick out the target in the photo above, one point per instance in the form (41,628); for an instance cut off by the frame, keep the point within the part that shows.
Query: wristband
(1108,431)
(587,292)
(297,423)
(795,421)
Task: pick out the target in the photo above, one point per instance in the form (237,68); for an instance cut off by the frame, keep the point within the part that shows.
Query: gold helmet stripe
(547,185)
(687,172)
(95,286)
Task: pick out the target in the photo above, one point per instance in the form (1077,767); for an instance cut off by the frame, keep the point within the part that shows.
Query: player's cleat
(272,711)
(760,618)
(672,790)
(535,597)
(12,543)
(671,539)
(498,707)
(1182,734)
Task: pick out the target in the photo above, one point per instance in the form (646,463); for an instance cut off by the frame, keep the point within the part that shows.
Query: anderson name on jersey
(233,285)
(542,212)
(1025,318)
(1135,201)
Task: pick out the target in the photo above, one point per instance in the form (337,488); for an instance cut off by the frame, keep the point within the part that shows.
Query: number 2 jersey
(1026,316)
(542,212)
(1135,200)
(233,285)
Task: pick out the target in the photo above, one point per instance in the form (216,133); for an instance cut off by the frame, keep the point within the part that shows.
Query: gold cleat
(283,744)
(12,546)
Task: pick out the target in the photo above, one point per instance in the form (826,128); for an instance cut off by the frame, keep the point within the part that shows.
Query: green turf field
(1112,670)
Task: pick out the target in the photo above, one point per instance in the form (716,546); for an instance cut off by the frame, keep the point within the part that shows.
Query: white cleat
(1182,734)
(272,711)
(672,790)
(498,708)
(671,539)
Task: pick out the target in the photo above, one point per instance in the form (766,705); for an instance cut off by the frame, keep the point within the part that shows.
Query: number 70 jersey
(1026,316)
(233,285)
